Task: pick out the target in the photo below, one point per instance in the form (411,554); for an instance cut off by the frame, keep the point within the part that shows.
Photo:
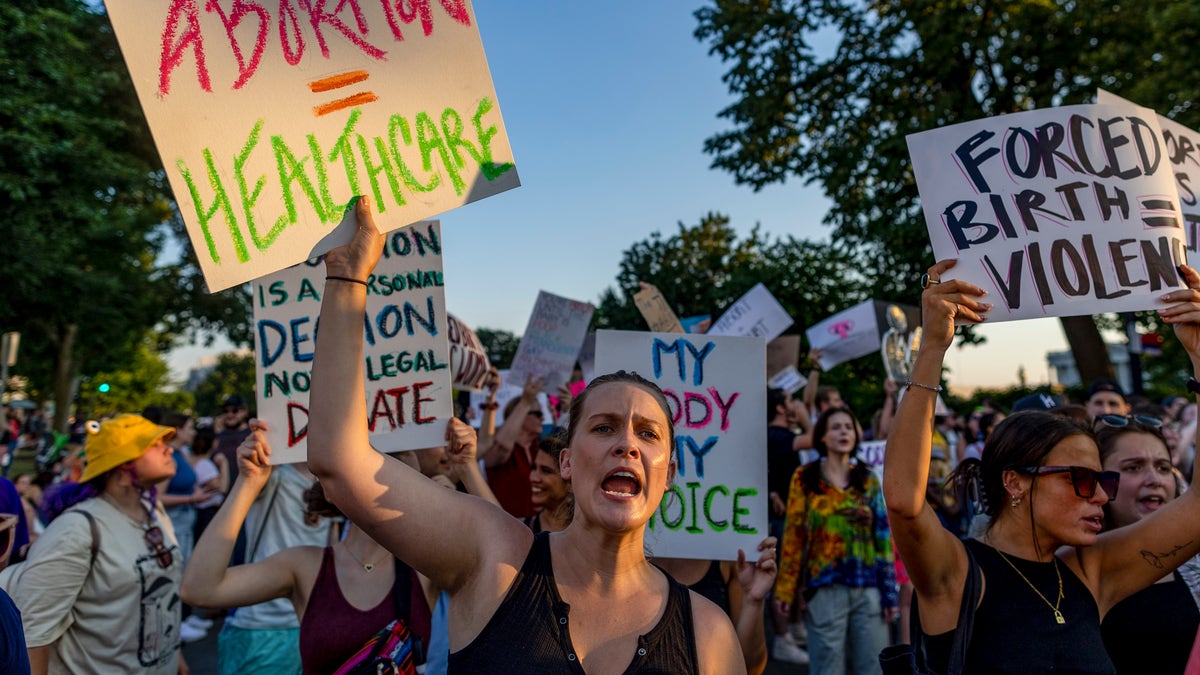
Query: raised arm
(814,379)
(396,506)
(208,580)
(464,464)
(487,422)
(1130,558)
(502,445)
(934,557)
(747,595)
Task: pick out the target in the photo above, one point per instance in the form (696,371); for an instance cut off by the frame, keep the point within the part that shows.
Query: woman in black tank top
(581,600)
(1049,576)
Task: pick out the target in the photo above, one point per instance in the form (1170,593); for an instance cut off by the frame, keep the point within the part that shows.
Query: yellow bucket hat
(121,439)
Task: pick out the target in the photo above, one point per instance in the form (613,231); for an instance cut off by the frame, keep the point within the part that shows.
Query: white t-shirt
(207,470)
(116,614)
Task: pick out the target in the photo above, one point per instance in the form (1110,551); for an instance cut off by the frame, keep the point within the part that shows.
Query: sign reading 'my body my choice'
(1058,212)
(271,116)
(718,401)
(405,348)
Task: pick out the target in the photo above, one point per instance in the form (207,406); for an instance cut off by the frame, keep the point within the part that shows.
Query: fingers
(365,216)
(941,266)
(1190,276)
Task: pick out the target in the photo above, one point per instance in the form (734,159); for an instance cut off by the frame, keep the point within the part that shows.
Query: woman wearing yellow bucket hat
(99,591)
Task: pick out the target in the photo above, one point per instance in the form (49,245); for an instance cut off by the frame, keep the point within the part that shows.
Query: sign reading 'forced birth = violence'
(406,353)
(271,116)
(1058,212)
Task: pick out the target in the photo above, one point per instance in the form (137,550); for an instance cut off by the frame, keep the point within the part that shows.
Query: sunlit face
(840,434)
(1062,518)
(1107,403)
(619,460)
(155,464)
(794,410)
(1146,478)
(548,489)
(834,401)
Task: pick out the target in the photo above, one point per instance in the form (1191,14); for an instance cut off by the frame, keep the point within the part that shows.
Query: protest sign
(756,313)
(405,351)
(718,401)
(656,311)
(1058,212)
(782,352)
(1182,146)
(469,364)
(847,335)
(552,340)
(587,357)
(270,117)
(789,379)
(696,324)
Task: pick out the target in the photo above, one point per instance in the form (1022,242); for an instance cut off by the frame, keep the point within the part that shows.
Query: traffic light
(103,388)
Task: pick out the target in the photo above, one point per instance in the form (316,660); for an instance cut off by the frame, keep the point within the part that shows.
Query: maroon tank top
(332,629)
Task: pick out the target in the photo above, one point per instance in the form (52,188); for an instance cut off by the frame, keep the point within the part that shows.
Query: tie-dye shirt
(851,543)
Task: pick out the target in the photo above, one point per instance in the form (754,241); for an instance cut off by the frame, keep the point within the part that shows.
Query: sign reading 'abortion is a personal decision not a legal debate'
(271,116)
(1058,212)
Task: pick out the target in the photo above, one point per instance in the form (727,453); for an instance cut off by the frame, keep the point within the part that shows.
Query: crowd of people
(1051,537)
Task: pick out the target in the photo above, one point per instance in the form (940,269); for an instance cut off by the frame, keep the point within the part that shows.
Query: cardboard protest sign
(696,324)
(405,350)
(1182,147)
(847,335)
(587,357)
(756,313)
(469,364)
(782,352)
(552,340)
(789,379)
(656,311)
(270,117)
(1058,212)
(718,401)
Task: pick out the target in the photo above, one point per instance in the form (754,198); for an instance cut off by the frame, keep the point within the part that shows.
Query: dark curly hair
(316,506)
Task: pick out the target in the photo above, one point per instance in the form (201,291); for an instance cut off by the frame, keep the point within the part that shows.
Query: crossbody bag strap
(966,617)
(262,526)
(95,535)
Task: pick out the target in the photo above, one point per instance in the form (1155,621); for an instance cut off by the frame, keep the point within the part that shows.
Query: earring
(1015,501)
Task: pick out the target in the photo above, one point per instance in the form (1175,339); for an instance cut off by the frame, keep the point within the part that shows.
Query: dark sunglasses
(154,539)
(232,410)
(1126,420)
(1083,479)
(536,413)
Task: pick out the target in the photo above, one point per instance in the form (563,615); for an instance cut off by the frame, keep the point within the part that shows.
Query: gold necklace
(367,566)
(1057,614)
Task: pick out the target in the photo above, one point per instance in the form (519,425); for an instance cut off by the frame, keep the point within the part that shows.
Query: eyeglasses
(536,413)
(232,410)
(1125,420)
(154,539)
(1083,479)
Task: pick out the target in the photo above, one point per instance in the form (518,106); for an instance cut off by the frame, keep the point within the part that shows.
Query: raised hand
(945,303)
(254,455)
(757,578)
(460,442)
(357,259)
(1184,313)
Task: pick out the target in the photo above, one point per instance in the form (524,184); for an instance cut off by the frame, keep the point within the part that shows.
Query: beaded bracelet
(489,406)
(350,279)
(937,389)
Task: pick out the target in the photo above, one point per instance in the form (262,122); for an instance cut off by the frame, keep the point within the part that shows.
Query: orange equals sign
(337,82)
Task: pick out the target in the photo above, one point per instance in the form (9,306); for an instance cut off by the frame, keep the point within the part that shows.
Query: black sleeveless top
(1016,632)
(1151,631)
(530,631)
(712,586)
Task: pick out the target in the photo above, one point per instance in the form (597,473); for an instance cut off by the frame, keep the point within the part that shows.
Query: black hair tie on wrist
(350,279)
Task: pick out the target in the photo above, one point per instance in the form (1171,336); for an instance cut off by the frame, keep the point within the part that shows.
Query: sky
(607,106)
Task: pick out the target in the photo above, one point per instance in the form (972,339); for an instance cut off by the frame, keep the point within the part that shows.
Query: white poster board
(1182,147)
(405,351)
(552,340)
(847,335)
(716,389)
(469,363)
(756,313)
(1058,212)
(271,116)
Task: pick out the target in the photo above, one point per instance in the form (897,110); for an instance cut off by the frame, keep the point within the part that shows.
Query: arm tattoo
(1156,559)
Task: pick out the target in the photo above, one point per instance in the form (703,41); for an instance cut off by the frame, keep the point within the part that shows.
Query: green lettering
(398,123)
(220,203)
(716,525)
(429,141)
(739,511)
(694,528)
(672,524)
(274,380)
(249,197)
(490,169)
(385,167)
(291,170)
(307,290)
(387,363)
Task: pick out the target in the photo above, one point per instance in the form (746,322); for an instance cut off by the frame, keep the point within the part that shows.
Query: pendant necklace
(1058,617)
(367,566)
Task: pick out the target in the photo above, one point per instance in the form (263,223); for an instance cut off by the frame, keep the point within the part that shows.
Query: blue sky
(607,106)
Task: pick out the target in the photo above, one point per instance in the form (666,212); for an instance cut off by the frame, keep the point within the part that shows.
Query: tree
(234,373)
(88,213)
(145,381)
(902,66)
(500,345)
(705,268)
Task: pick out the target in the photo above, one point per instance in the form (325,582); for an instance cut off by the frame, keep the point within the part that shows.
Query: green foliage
(838,116)
(233,374)
(143,381)
(501,346)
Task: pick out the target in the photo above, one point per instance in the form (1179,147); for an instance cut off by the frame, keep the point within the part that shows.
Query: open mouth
(1095,522)
(1152,503)
(621,484)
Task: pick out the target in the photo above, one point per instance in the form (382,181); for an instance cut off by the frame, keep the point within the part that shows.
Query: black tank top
(712,586)
(530,631)
(1151,632)
(1016,632)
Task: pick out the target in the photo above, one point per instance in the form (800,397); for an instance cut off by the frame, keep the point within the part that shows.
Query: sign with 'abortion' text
(271,116)
(1058,212)
(406,351)
(716,390)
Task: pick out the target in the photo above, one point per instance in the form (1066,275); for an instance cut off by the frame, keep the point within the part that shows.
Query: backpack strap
(95,534)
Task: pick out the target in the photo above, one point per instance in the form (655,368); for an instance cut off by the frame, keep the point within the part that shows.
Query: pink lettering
(173,45)
(240,9)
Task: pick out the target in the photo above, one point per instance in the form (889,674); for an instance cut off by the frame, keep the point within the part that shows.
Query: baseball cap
(1037,402)
(234,401)
(121,439)
(1105,385)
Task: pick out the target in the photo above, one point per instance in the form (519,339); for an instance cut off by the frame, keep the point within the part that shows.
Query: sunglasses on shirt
(1083,479)
(1126,420)
(154,539)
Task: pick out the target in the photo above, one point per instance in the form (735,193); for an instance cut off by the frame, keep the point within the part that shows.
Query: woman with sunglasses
(1048,575)
(1150,632)
(99,591)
